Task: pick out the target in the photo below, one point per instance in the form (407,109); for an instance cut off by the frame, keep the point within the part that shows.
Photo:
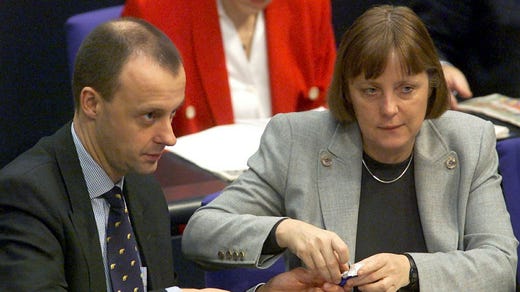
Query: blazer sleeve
(246,211)
(486,258)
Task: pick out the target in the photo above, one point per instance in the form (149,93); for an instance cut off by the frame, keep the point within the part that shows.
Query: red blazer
(301,54)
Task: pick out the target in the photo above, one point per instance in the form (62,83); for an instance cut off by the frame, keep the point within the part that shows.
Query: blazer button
(314,93)
(326,159)
(190,112)
(220,255)
(229,255)
(241,255)
(235,255)
(451,162)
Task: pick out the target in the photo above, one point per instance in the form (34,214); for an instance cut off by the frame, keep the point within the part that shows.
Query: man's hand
(457,83)
(320,250)
(382,272)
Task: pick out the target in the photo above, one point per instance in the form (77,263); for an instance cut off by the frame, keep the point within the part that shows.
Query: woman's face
(390,110)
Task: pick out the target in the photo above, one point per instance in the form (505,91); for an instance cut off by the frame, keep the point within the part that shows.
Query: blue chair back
(509,167)
(78,26)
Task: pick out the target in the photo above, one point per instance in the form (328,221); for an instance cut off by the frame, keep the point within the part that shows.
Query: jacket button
(451,162)
(220,255)
(190,112)
(314,93)
(241,255)
(229,255)
(326,159)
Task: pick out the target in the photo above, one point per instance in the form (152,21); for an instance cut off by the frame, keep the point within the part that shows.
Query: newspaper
(497,106)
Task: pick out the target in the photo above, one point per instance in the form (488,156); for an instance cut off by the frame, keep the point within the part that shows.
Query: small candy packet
(351,273)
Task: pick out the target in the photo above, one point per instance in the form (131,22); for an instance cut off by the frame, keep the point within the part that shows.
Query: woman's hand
(320,250)
(382,272)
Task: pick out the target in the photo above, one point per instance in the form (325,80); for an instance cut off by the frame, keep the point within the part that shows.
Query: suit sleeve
(326,49)
(31,257)
(132,8)
(246,211)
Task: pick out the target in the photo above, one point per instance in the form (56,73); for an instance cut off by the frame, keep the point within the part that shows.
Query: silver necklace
(392,180)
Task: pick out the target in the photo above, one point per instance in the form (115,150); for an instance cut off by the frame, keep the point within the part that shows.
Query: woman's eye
(407,89)
(369,91)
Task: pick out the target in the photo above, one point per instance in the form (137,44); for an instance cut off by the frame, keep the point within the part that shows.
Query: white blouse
(248,78)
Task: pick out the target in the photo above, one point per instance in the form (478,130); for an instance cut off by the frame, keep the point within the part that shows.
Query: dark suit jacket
(48,234)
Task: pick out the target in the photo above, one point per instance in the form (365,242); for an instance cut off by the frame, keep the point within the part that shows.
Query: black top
(388,219)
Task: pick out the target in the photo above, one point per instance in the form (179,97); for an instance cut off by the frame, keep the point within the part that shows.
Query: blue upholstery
(509,166)
(240,279)
(80,25)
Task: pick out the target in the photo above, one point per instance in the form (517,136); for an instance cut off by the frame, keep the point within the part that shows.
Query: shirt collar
(98,181)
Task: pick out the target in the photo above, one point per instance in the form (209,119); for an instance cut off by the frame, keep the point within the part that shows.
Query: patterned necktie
(122,255)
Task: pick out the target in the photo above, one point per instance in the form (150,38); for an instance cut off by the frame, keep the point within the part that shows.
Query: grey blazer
(308,167)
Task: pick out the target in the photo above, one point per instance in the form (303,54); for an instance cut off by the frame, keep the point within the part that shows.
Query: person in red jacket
(245,59)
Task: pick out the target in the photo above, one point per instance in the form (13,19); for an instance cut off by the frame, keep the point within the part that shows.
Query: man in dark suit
(128,82)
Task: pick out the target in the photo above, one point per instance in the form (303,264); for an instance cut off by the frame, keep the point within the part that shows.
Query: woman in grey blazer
(388,179)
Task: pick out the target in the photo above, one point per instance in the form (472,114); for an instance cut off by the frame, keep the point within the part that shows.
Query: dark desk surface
(184,185)
(182,179)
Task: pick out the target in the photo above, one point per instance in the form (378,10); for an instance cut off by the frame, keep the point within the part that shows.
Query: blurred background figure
(246,59)
(481,38)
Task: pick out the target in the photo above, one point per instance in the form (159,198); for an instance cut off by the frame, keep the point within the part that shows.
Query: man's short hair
(108,48)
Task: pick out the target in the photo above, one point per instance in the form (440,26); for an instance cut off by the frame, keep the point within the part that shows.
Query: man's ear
(89,102)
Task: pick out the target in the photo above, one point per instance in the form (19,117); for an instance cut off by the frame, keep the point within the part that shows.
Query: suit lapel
(436,175)
(81,214)
(210,59)
(339,177)
(143,230)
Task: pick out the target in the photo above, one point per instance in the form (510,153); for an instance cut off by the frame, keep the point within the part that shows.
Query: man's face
(133,128)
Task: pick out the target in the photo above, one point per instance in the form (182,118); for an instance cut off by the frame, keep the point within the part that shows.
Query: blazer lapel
(81,215)
(436,175)
(210,59)
(339,177)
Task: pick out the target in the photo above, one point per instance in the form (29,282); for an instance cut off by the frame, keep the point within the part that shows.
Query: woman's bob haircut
(365,49)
